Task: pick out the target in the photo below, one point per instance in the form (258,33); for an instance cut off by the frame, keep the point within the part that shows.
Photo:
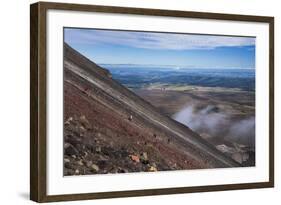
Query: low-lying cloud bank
(209,121)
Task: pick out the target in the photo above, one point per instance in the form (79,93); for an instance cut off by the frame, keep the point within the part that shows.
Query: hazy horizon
(176,67)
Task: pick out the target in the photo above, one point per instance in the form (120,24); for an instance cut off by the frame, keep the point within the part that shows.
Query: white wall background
(14,101)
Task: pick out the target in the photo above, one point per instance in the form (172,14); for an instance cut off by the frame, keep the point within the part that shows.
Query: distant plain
(219,104)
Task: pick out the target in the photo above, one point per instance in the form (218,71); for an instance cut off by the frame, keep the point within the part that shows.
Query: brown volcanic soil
(238,104)
(95,134)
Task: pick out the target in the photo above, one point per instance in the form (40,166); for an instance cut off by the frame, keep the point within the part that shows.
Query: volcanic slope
(109,129)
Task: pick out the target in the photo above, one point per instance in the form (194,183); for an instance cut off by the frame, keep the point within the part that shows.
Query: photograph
(147,101)
(130,101)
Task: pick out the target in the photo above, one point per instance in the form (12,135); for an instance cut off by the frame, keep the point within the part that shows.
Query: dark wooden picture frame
(38,100)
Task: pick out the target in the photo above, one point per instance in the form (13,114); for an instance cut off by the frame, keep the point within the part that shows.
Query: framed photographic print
(134,102)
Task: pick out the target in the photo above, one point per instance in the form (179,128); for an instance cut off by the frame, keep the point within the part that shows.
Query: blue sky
(181,50)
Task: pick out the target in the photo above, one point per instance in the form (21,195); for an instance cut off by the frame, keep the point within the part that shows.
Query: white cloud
(150,40)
